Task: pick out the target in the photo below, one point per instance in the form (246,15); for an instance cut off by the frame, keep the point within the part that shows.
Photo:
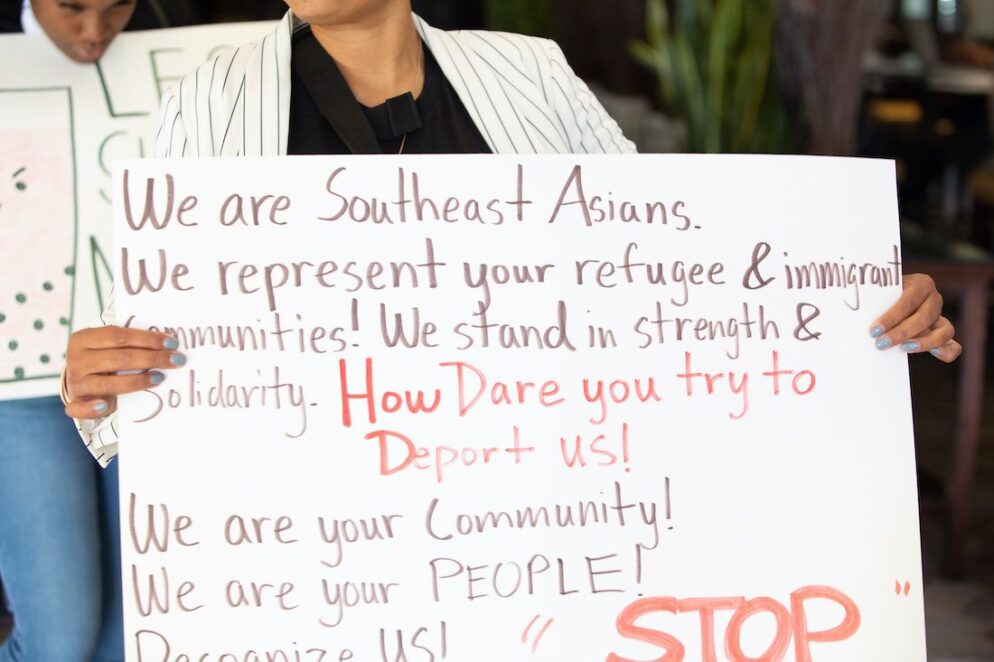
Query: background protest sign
(509,408)
(62,125)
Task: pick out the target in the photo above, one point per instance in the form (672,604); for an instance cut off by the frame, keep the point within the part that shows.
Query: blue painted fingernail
(170,343)
(156,378)
(937,351)
(911,347)
(877,331)
(884,343)
(100,407)
(177,359)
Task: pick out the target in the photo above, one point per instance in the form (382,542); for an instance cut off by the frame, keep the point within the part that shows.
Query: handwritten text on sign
(489,408)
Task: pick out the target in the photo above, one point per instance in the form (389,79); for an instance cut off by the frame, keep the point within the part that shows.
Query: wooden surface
(970,283)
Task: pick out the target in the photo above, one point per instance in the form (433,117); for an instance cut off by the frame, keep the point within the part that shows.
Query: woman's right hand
(96,359)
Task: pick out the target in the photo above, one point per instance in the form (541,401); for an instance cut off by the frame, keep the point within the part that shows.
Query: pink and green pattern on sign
(37,219)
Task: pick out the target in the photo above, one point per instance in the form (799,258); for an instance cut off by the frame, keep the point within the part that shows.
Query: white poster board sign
(514,408)
(62,125)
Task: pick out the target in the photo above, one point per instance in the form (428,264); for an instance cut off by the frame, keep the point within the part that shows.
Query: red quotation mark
(541,632)
(898,589)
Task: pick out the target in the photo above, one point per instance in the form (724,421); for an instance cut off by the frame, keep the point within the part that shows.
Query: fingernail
(877,331)
(884,343)
(911,347)
(170,343)
(937,351)
(156,378)
(100,407)
(177,359)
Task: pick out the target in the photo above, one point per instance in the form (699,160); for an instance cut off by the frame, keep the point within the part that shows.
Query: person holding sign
(83,29)
(365,76)
(59,539)
(368,76)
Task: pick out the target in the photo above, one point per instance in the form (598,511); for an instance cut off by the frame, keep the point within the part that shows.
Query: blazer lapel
(266,106)
(283,49)
(503,103)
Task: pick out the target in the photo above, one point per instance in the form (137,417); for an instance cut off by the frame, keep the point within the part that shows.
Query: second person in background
(59,532)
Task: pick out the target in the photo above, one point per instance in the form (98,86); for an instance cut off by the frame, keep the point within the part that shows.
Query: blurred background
(910,80)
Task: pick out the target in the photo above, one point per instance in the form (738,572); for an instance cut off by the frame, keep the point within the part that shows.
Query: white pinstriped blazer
(519,91)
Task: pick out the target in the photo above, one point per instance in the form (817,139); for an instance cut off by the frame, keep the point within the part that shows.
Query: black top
(10,16)
(322,107)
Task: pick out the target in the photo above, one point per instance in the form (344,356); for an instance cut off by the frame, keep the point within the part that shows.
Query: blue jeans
(60,557)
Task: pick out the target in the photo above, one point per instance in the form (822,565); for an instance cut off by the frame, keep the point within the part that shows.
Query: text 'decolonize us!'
(517,408)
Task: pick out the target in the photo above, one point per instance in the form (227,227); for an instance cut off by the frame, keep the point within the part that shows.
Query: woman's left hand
(915,323)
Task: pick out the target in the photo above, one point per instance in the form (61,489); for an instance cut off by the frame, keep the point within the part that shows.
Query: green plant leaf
(691,90)
(752,76)
(722,44)
(658,60)
(715,67)
(657,22)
